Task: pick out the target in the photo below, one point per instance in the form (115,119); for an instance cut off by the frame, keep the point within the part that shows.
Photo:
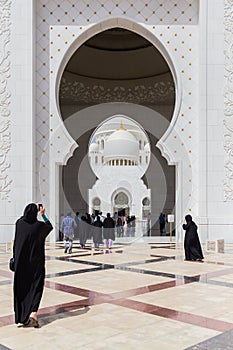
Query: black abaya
(97,232)
(29,258)
(192,244)
(109,232)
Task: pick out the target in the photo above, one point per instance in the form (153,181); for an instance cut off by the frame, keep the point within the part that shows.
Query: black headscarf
(30,213)
(188,218)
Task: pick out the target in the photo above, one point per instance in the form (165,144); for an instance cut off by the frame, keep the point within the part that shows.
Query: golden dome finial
(121,126)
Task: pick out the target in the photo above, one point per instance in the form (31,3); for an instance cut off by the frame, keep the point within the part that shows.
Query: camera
(40,206)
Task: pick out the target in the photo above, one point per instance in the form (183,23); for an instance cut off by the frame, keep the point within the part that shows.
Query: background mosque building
(68,66)
(119,156)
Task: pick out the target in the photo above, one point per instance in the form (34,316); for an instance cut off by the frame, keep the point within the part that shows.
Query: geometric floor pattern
(140,296)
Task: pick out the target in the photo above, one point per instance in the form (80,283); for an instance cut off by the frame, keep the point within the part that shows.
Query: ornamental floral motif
(156,93)
(5,136)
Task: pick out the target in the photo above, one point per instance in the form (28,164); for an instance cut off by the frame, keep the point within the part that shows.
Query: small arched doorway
(121,204)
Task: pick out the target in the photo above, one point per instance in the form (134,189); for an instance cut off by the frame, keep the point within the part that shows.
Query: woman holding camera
(29,257)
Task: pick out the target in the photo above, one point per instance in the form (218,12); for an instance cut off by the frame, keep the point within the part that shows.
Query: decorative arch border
(61,157)
(155,41)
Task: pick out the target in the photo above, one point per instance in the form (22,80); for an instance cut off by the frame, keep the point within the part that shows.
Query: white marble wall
(20,132)
(215,212)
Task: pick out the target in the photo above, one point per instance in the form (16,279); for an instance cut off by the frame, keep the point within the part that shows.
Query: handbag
(12,264)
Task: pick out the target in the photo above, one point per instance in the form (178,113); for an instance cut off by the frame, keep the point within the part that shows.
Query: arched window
(96,159)
(102,144)
(145,208)
(96,201)
(140,144)
(96,204)
(121,199)
(146,201)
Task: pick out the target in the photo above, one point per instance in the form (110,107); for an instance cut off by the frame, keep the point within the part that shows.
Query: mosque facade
(119,156)
(68,66)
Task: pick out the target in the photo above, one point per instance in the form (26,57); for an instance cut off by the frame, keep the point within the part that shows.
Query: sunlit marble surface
(140,296)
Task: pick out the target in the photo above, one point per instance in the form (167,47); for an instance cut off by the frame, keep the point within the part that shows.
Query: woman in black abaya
(29,256)
(192,244)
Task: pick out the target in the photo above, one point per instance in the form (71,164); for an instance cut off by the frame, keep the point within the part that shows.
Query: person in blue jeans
(68,226)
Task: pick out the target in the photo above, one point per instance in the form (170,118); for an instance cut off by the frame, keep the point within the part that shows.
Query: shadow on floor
(60,314)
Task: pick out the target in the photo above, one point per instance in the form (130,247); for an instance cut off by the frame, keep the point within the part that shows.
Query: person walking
(77,219)
(83,232)
(29,257)
(192,244)
(109,234)
(97,233)
(68,226)
(119,227)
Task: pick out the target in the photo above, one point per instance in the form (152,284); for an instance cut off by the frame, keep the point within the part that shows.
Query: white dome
(94,147)
(121,144)
(122,135)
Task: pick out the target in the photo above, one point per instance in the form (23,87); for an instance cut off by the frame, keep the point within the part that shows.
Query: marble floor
(139,296)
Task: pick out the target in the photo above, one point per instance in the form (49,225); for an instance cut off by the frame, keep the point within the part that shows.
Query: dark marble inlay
(220,284)
(92,296)
(84,262)
(187,279)
(3,283)
(76,272)
(169,246)
(219,273)
(185,317)
(143,290)
(219,342)
(2,347)
(163,258)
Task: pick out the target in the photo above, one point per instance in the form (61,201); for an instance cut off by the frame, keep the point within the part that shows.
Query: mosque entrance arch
(85,100)
(121,204)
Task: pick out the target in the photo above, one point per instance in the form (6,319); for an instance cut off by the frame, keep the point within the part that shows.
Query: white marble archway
(62,145)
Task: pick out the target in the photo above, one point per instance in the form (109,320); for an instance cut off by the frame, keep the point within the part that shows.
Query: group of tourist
(29,253)
(97,227)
